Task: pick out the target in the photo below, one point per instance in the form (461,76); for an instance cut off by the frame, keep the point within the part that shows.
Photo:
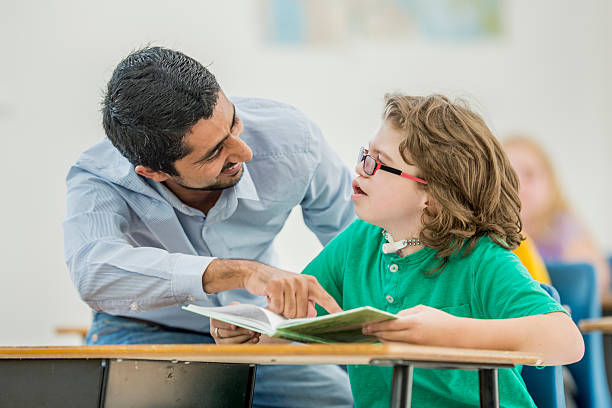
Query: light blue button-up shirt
(133,248)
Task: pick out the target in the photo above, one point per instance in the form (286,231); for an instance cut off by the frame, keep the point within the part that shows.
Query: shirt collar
(171,198)
(245,188)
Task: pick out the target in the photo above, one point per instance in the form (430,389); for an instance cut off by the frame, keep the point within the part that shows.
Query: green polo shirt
(489,283)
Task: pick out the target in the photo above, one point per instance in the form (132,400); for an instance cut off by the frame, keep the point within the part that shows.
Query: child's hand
(419,325)
(225,333)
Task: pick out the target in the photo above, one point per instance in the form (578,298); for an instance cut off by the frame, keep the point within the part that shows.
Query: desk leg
(489,392)
(401,387)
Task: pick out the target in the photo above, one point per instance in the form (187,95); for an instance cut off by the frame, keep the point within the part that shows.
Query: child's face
(535,188)
(386,199)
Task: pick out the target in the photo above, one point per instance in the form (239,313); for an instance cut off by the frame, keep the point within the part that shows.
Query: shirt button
(389,298)
(134,306)
(191,299)
(393,268)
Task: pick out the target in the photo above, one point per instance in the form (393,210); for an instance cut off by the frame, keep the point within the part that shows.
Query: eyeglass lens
(369,163)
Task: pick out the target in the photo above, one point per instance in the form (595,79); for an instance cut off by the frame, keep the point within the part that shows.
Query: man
(166,211)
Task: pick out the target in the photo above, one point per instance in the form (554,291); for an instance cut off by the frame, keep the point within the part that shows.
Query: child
(557,231)
(439,215)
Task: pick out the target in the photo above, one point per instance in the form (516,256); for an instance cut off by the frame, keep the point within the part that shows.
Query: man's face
(217,152)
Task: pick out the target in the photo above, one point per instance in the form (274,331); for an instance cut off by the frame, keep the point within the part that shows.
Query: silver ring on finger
(217,335)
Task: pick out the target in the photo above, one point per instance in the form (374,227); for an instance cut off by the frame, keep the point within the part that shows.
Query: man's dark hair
(154,97)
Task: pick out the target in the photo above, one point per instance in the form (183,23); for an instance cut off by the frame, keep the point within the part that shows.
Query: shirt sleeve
(327,207)
(504,289)
(109,272)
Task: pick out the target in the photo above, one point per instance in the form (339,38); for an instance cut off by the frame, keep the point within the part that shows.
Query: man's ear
(145,171)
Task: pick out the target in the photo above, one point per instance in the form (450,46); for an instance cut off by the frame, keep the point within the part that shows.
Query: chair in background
(79,331)
(545,385)
(607,339)
(610,263)
(606,302)
(576,284)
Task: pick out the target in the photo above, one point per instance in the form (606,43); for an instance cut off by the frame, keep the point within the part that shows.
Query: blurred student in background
(556,231)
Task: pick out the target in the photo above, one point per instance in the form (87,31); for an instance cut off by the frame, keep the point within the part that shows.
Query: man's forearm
(290,294)
(226,274)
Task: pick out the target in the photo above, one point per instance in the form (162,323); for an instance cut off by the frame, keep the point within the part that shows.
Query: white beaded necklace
(394,246)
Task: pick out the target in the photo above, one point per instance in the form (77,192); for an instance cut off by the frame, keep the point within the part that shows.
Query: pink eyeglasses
(371,165)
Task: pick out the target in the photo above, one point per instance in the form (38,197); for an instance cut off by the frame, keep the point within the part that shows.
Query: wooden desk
(603,325)
(404,358)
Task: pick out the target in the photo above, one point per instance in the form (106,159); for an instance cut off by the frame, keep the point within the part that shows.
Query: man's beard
(213,187)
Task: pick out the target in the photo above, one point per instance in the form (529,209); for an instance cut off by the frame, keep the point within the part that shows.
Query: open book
(343,327)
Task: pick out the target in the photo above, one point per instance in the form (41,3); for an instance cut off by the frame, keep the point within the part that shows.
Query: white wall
(549,75)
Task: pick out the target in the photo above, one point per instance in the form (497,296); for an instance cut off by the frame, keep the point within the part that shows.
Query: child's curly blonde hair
(473,185)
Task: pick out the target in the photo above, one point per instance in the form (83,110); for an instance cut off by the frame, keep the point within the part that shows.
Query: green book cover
(343,327)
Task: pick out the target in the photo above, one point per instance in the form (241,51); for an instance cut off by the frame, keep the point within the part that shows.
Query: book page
(345,320)
(243,315)
(275,319)
(339,327)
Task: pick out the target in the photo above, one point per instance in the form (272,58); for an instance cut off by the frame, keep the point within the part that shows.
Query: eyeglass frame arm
(381,166)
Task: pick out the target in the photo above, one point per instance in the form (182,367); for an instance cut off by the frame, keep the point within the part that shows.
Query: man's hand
(225,333)
(290,294)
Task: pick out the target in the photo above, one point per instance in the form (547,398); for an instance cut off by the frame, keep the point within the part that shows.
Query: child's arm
(553,335)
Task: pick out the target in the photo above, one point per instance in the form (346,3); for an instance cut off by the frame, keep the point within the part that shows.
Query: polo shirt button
(134,306)
(389,298)
(191,299)
(393,268)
